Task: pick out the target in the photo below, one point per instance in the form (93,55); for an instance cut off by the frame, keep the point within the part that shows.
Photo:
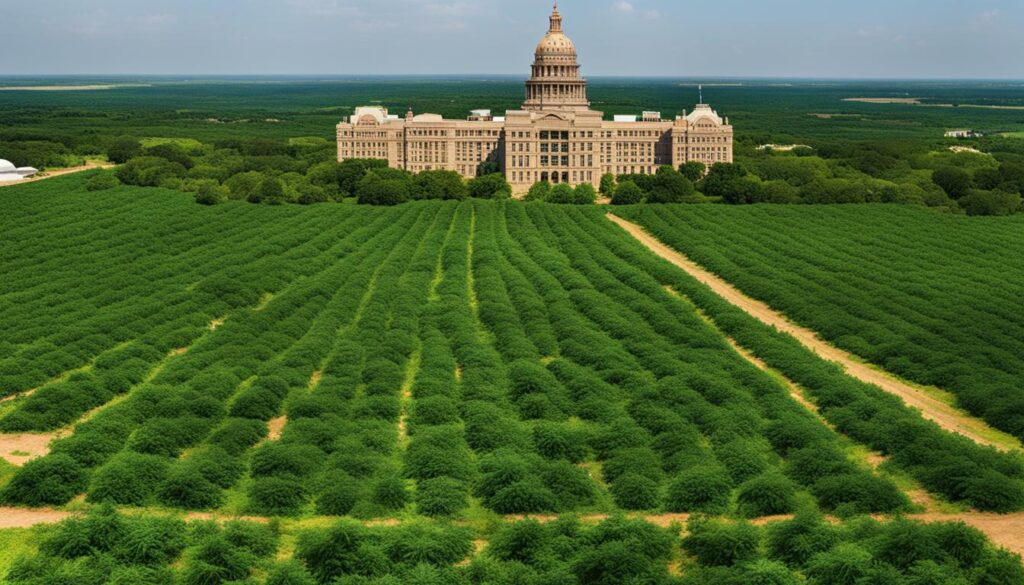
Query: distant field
(761,110)
(930,297)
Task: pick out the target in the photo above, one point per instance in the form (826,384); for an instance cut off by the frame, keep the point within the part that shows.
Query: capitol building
(555,137)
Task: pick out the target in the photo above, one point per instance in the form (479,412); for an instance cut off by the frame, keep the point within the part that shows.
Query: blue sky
(712,38)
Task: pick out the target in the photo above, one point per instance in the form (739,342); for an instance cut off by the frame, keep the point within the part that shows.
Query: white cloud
(624,6)
(985,20)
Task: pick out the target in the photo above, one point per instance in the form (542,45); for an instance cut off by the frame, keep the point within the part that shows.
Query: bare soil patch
(275,426)
(19,449)
(932,408)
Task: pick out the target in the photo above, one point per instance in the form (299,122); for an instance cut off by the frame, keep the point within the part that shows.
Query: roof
(704,111)
(6,166)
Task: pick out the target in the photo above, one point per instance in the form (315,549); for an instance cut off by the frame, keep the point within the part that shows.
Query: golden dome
(555,42)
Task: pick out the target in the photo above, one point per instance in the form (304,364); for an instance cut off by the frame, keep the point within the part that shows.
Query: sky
(676,38)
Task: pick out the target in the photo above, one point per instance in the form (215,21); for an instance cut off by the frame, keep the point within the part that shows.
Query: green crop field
(930,297)
(431,372)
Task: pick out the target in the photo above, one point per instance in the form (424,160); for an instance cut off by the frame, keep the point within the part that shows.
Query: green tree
(723,179)
(488,167)
(123,149)
(561,193)
(670,186)
(270,191)
(584,194)
(693,170)
(978,202)
(538,191)
(350,172)
(492,186)
(243,185)
(210,194)
(954,181)
(383,192)
(439,185)
(607,184)
(627,193)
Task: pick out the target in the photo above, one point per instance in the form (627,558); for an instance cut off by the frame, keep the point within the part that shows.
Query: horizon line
(515,76)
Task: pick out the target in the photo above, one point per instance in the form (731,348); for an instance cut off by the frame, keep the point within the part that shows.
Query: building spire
(700,90)
(556,19)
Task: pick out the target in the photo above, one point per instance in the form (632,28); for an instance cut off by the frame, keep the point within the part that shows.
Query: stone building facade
(555,137)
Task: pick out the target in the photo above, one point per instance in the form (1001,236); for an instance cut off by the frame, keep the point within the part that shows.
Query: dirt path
(275,426)
(59,172)
(932,408)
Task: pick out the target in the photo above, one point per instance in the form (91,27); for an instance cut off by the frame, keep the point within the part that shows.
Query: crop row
(929,297)
(106,547)
(943,462)
(220,394)
(698,422)
(125,273)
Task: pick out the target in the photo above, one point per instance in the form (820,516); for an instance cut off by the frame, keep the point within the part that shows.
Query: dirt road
(59,172)
(932,408)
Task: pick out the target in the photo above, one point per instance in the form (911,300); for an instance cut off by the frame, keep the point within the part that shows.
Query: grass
(17,542)
(185,143)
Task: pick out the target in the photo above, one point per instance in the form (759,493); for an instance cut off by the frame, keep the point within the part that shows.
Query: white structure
(8,173)
(960,133)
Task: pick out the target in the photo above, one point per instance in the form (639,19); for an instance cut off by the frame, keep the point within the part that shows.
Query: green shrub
(151,541)
(290,573)
(343,549)
(441,496)
(50,481)
(764,572)
(277,459)
(560,441)
(101,181)
(724,544)
(525,496)
(743,458)
(390,493)
(217,561)
(572,485)
(236,435)
(766,495)
(845,564)
(98,531)
(858,493)
(128,479)
(256,403)
(633,491)
(420,543)
(186,487)
(523,541)
(217,466)
(699,489)
(339,496)
(277,496)
(795,541)
(258,539)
